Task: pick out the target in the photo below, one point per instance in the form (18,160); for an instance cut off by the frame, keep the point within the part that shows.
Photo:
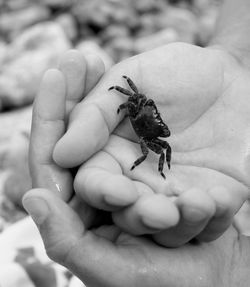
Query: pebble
(69,26)
(16,21)
(155,40)
(14,141)
(57,3)
(29,56)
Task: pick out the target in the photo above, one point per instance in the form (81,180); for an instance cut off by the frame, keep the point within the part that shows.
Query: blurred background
(33,35)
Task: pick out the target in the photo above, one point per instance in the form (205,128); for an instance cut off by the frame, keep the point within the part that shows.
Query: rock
(3,52)
(14,142)
(201,6)
(16,162)
(12,23)
(121,48)
(206,26)
(92,12)
(150,6)
(182,21)
(93,48)
(114,31)
(147,25)
(101,13)
(13,122)
(11,5)
(158,39)
(68,24)
(28,57)
(57,3)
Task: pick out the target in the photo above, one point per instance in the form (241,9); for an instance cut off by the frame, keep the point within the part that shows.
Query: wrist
(241,263)
(233,28)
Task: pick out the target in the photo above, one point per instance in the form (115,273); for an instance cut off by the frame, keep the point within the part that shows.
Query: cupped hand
(202,95)
(107,257)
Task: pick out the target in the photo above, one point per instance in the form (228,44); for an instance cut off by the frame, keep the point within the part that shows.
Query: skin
(95,255)
(201,193)
(106,257)
(65,228)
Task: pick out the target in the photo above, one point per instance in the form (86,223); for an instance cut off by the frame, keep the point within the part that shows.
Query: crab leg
(165,145)
(156,145)
(121,90)
(121,107)
(168,155)
(161,164)
(131,84)
(144,150)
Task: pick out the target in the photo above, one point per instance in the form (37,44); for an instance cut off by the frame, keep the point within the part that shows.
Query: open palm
(201,95)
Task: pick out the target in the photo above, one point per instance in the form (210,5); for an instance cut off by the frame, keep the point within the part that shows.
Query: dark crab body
(147,123)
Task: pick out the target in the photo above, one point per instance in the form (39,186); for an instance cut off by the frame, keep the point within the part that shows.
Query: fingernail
(157,224)
(37,208)
(116,200)
(193,215)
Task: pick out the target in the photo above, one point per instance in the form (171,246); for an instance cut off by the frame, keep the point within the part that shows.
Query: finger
(149,214)
(101,184)
(91,123)
(74,67)
(95,70)
(227,202)
(60,226)
(47,129)
(67,242)
(196,208)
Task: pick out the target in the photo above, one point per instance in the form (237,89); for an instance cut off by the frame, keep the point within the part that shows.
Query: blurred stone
(16,161)
(123,13)
(17,4)
(58,3)
(14,22)
(14,142)
(29,56)
(101,13)
(158,39)
(12,122)
(90,47)
(9,213)
(68,24)
(121,48)
(150,6)
(182,21)
(115,31)
(206,26)
(201,6)
(147,25)
(3,52)
(92,12)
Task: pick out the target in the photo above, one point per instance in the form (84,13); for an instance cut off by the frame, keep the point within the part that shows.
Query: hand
(61,89)
(202,95)
(69,241)
(106,257)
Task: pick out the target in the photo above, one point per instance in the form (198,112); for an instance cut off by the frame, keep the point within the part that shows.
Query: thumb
(67,242)
(59,225)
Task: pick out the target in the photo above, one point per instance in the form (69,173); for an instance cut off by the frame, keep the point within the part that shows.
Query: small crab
(147,124)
